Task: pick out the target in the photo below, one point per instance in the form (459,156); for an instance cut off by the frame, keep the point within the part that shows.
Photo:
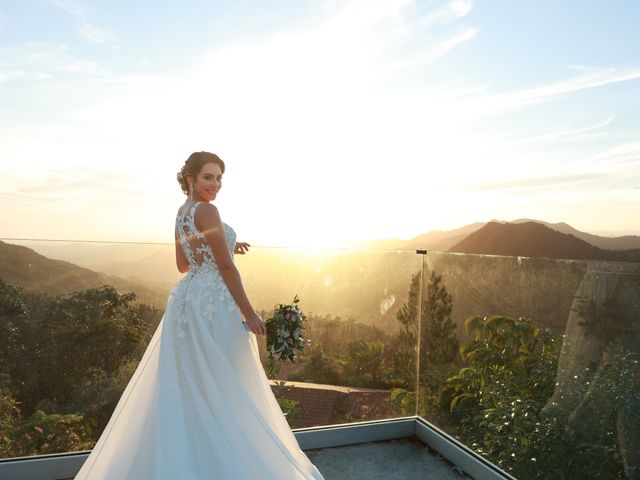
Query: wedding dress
(199,405)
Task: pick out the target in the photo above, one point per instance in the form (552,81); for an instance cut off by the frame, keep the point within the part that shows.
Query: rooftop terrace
(407,448)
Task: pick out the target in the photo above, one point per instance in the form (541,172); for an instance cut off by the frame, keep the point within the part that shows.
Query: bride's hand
(256,324)
(241,248)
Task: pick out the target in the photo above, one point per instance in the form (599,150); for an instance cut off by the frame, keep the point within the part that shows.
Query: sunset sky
(338,120)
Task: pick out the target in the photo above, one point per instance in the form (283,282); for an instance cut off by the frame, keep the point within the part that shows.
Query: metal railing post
(419,331)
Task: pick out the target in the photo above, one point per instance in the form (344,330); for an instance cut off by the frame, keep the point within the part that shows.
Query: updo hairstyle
(193,165)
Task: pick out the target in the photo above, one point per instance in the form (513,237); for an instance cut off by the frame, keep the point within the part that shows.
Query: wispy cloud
(547,181)
(70,6)
(594,77)
(96,34)
(41,61)
(558,133)
(625,155)
(486,103)
(450,43)
(57,183)
(87,29)
(446,13)
(409,34)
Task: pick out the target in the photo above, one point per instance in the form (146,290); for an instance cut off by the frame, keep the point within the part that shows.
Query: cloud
(42,61)
(590,79)
(485,103)
(54,183)
(446,13)
(406,33)
(535,182)
(86,29)
(96,34)
(70,6)
(625,155)
(560,133)
(450,43)
(612,168)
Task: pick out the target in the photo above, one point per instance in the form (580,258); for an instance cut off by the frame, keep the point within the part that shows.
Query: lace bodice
(193,242)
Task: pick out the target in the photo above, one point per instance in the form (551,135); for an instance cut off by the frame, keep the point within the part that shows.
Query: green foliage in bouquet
(284,335)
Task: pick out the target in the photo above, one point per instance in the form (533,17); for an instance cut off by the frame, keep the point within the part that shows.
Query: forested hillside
(25,268)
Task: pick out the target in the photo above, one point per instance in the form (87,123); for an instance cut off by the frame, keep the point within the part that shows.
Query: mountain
(23,267)
(625,242)
(441,240)
(152,265)
(157,269)
(533,239)
(436,240)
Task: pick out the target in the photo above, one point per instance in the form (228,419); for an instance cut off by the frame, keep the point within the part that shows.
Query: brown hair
(193,165)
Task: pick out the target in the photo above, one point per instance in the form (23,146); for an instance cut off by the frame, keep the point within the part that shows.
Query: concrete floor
(405,459)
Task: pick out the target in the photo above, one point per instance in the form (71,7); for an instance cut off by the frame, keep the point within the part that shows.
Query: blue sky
(358,119)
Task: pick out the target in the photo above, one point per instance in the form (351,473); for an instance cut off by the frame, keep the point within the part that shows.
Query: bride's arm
(209,223)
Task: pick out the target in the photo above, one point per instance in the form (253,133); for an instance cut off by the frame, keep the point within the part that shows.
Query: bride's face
(208,182)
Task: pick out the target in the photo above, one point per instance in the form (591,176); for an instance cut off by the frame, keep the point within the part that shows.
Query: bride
(199,405)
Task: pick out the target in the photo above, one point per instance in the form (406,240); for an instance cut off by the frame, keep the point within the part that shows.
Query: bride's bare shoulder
(205,208)
(207,214)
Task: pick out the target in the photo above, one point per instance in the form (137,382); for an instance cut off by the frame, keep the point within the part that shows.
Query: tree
(438,340)
(12,308)
(510,355)
(9,418)
(64,355)
(94,328)
(438,344)
(319,368)
(496,404)
(43,433)
(366,365)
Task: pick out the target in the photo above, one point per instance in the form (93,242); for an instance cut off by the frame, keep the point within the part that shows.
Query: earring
(191,191)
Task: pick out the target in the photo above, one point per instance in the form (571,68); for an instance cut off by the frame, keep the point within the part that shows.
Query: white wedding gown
(199,405)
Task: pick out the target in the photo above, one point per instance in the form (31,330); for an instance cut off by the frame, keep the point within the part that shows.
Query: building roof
(326,404)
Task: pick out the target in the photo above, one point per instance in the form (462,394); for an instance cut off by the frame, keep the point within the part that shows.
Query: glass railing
(533,362)
(72,334)
(357,351)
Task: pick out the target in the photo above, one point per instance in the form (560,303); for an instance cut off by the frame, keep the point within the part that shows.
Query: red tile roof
(327,404)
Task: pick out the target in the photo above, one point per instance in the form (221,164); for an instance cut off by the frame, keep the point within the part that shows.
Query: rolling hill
(436,240)
(443,240)
(533,239)
(625,242)
(25,268)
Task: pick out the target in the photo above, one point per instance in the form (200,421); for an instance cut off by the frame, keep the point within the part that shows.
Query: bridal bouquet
(284,334)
